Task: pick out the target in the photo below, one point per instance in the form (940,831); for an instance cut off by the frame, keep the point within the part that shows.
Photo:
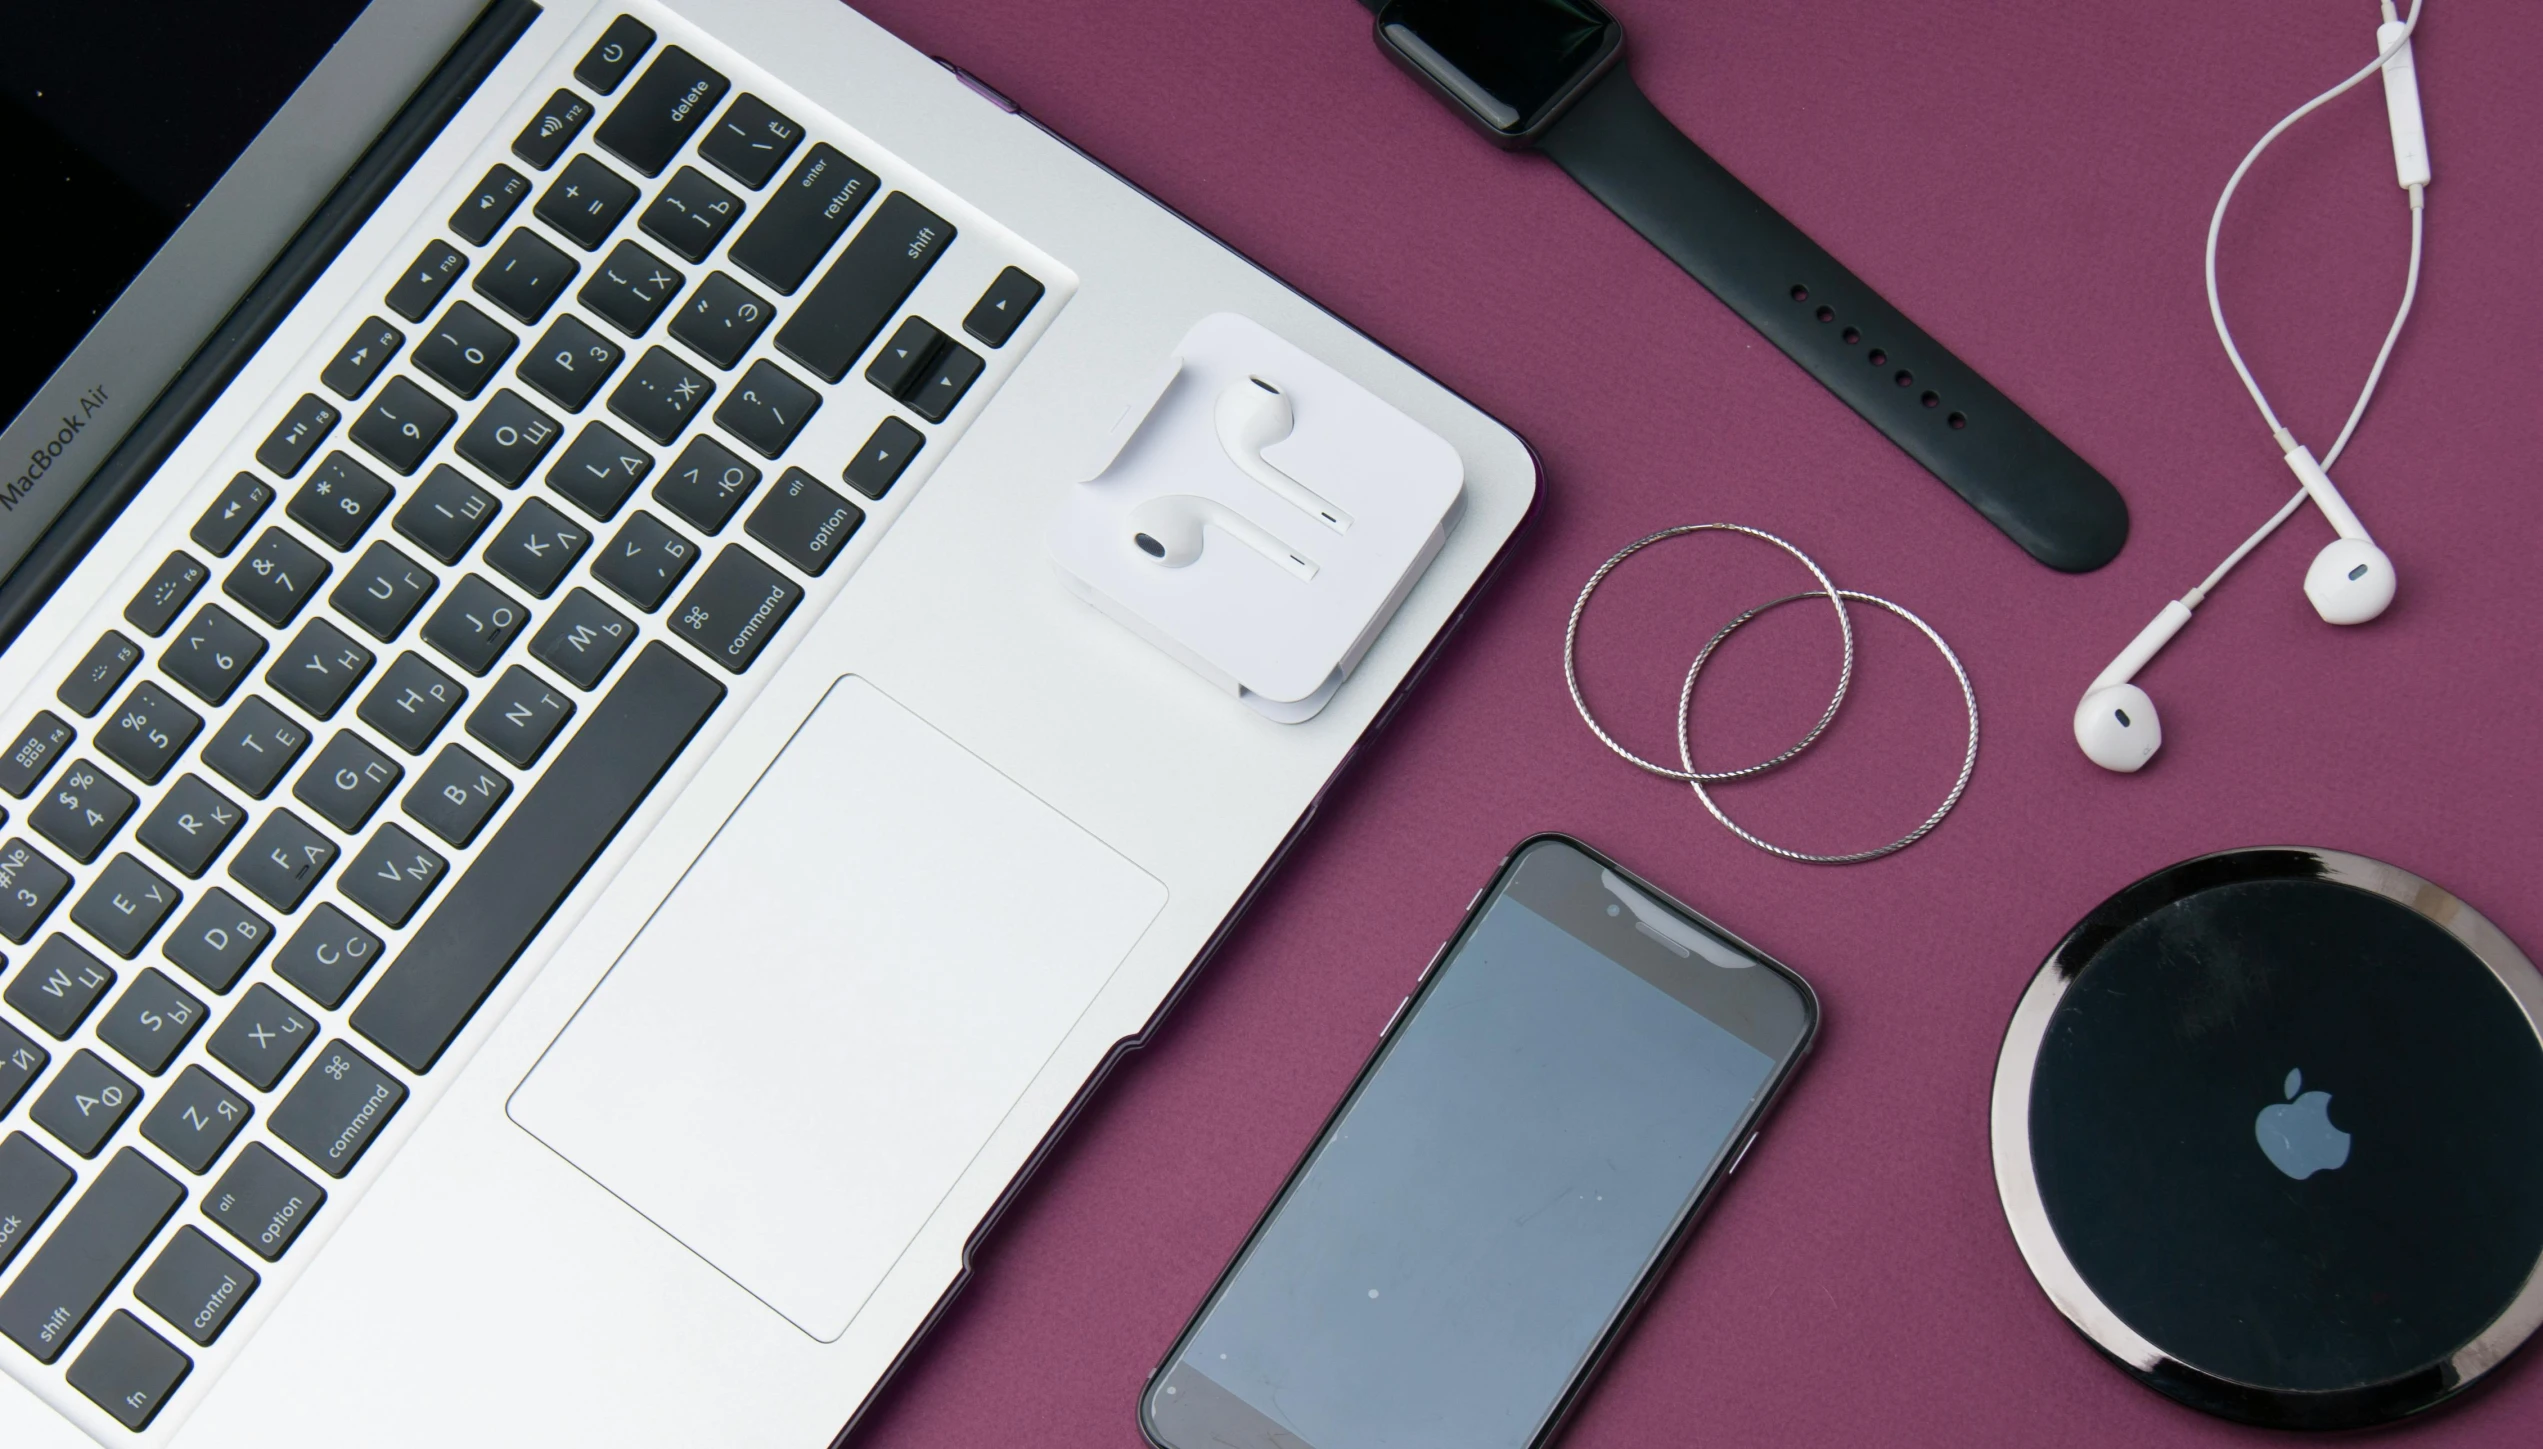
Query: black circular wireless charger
(2268,1128)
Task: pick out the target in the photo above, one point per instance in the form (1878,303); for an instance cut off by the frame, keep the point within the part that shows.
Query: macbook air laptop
(566,846)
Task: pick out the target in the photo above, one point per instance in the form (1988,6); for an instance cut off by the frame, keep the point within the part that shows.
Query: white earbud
(1252,415)
(1168,530)
(2116,724)
(2350,581)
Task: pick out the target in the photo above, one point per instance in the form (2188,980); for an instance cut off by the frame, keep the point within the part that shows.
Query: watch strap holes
(1905,378)
(1851,336)
(1800,293)
(1827,314)
(1958,420)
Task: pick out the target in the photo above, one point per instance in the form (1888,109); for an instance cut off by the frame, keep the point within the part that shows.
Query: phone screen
(1447,1263)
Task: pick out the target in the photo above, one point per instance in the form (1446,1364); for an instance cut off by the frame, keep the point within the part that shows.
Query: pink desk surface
(2032,183)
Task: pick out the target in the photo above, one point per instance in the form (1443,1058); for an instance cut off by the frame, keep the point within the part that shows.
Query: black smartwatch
(1549,74)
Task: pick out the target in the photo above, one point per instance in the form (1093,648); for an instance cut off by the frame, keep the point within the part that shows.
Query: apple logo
(2297,1136)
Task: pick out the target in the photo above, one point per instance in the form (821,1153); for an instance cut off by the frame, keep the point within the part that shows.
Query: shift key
(882,265)
(97,1242)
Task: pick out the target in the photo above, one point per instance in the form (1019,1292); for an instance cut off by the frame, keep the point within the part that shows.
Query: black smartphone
(1580,1069)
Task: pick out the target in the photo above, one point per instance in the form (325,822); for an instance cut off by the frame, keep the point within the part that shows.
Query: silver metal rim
(1827,590)
(1695,781)
(2026,1213)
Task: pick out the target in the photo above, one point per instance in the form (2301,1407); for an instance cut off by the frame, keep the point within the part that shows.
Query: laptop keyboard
(539,508)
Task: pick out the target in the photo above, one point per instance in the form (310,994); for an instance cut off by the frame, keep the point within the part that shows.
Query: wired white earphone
(2351,580)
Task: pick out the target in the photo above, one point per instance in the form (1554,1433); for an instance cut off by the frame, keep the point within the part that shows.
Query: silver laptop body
(892,845)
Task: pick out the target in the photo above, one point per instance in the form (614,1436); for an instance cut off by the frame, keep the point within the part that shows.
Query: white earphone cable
(2225,334)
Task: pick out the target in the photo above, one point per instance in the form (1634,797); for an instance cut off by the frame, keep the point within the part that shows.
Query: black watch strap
(1997,457)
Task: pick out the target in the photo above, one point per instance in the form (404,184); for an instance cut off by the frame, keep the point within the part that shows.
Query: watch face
(1510,63)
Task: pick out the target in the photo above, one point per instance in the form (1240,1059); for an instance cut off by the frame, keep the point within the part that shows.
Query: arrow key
(1003,308)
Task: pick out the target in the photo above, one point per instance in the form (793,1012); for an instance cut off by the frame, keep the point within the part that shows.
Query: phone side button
(1743,1154)
(1394,1015)
(1434,962)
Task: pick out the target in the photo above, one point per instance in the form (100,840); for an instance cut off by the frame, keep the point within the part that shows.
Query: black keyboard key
(347,781)
(552,130)
(151,1022)
(262,1036)
(86,1101)
(31,885)
(475,625)
(803,218)
(631,288)
(518,718)
(706,483)
(900,365)
(255,747)
(751,141)
(526,275)
(356,363)
(84,810)
(32,1180)
(21,1062)
(232,514)
(570,363)
(281,861)
(100,673)
(402,424)
(191,825)
(339,1106)
(847,308)
(691,215)
(722,320)
(586,202)
(662,109)
(661,395)
(420,1004)
(339,501)
(614,54)
(581,640)
(879,464)
(645,562)
(803,522)
(124,905)
(537,546)
(392,874)
(456,796)
(169,591)
(768,408)
(411,703)
(298,435)
(327,955)
(96,1243)
(195,1120)
(320,666)
(212,654)
(195,1286)
(278,576)
(736,608)
(128,1371)
(464,349)
(508,438)
(446,514)
(1003,308)
(949,375)
(262,1202)
(490,205)
(420,287)
(381,593)
(36,748)
(147,732)
(217,941)
(598,470)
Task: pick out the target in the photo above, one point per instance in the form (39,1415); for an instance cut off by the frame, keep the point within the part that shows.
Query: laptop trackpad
(806,1045)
